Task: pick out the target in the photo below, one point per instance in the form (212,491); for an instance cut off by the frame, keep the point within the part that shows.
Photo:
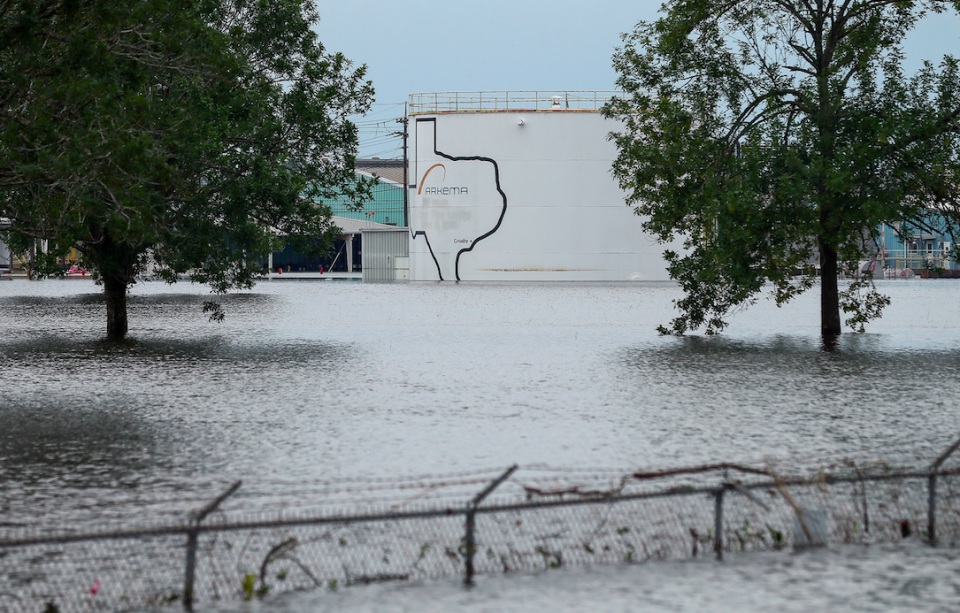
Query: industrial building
(904,246)
(384,211)
(386,205)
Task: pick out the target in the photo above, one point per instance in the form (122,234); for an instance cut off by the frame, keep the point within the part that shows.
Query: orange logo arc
(424,179)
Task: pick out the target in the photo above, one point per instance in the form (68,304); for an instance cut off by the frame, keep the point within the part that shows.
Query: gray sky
(412,46)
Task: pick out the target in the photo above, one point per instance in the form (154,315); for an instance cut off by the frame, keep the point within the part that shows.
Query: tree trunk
(115,291)
(829,291)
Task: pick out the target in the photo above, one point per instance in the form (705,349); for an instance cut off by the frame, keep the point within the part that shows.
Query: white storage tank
(518,186)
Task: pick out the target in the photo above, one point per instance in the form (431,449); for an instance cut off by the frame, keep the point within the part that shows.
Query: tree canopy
(189,133)
(769,133)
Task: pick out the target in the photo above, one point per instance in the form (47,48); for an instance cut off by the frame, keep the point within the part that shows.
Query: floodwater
(909,577)
(307,381)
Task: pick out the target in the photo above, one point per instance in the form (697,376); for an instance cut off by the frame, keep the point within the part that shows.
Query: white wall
(565,217)
(5,259)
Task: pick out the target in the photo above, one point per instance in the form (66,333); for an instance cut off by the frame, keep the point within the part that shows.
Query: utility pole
(406,192)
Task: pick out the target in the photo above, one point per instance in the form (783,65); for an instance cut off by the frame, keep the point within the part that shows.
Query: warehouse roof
(353,226)
(390,171)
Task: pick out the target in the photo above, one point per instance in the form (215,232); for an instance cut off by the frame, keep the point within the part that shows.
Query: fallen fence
(521,519)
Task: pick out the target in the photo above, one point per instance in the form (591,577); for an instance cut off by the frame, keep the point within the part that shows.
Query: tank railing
(498,101)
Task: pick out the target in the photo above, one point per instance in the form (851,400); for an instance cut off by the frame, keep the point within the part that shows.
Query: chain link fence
(469,523)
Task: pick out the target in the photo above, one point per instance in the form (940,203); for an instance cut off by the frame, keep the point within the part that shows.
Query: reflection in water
(830,342)
(782,393)
(58,460)
(89,425)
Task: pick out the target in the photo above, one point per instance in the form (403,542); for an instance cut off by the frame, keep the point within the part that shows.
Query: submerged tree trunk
(115,292)
(829,291)
(116,261)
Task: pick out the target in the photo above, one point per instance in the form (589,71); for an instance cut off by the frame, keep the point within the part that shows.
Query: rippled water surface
(912,578)
(312,380)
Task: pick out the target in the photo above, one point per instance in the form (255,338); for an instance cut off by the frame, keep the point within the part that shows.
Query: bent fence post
(718,512)
(932,492)
(193,537)
(469,538)
(746,494)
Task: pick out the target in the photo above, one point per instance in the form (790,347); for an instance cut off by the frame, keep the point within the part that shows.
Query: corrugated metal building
(386,254)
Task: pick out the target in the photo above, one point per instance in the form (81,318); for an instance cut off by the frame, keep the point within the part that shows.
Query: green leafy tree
(186,134)
(769,133)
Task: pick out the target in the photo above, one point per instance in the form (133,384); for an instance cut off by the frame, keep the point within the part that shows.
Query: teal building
(905,246)
(387,206)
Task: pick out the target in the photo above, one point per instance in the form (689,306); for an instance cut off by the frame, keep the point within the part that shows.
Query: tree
(769,132)
(186,133)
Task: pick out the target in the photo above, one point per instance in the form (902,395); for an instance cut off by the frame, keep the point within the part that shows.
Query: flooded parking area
(310,381)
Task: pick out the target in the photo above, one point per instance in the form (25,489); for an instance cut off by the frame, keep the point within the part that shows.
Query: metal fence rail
(521,519)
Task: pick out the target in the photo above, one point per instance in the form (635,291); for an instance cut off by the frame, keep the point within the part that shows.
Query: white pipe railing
(498,101)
